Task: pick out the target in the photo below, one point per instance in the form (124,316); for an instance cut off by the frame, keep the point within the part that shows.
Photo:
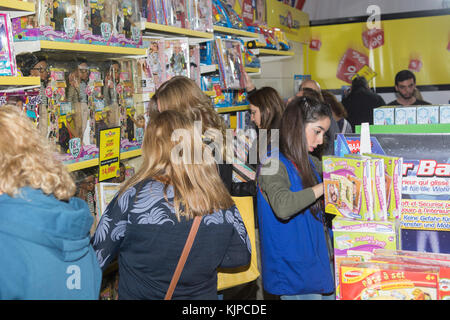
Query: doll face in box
(40,70)
(83,71)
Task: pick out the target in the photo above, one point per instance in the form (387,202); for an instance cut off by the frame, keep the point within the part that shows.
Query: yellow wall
(424,38)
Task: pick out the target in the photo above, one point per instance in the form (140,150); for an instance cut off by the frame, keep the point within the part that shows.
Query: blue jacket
(45,250)
(294,252)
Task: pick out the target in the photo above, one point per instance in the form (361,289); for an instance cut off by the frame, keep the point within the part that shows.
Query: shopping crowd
(47,251)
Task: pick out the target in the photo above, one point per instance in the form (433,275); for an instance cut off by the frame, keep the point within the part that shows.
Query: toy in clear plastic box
(393,183)
(356,240)
(176,57)
(347,187)
(381,281)
(8,65)
(422,259)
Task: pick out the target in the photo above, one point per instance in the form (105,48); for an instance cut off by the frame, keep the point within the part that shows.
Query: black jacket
(360,104)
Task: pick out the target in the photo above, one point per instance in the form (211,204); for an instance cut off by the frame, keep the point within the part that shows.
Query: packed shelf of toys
(364,191)
(104,59)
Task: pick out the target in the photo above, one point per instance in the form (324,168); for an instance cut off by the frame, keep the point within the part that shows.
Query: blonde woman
(146,225)
(184,95)
(44,230)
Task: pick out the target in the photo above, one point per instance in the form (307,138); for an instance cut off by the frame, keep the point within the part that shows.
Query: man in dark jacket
(360,102)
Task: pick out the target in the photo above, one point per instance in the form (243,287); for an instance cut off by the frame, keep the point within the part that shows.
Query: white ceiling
(332,9)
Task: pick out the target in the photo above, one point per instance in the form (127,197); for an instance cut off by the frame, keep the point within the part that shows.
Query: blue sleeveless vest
(294,252)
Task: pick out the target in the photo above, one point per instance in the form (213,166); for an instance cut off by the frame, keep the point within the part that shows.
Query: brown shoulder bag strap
(183,258)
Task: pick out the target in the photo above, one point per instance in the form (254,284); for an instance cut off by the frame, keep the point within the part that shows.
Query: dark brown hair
(270,105)
(337,107)
(299,112)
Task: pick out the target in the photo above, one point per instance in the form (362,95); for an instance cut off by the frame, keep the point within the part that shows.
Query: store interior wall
(279,74)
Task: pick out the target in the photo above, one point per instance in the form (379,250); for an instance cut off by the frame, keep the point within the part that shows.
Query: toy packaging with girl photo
(347,187)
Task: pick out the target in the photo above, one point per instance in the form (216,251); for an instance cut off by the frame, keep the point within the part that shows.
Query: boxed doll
(176,52)
(393,184)
(427,114)
(384,116)
(347,187)
(8,65)
(422,260)
(444,114)
(377,185)
(381,281)
(405,115)
(356,240)
(231,67)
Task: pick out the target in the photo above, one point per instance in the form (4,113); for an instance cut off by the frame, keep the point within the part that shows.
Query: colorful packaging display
(194,63)
(393,183)
(347,187)
(356,241)
(427,114)
(422,259)
(380,281)
(231,67)
(378,185)
(176,53)
(8,65)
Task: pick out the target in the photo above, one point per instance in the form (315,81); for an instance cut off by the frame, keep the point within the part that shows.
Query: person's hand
(318,190)
(73,80)
(249,86)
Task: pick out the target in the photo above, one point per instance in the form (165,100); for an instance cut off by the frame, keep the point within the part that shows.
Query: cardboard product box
(385,281)
(384,116)
(347,187)
(393,183)
(356,241)
(422,260)
(427,114)
(444,114)
(405,115)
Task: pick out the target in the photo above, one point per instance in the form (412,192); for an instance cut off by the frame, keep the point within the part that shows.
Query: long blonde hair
(28,160)
(168,157)
(184,95)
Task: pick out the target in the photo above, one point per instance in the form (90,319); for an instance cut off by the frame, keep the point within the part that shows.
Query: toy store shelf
(271,52)
(208,68)
(19,81)
(232,109)
(33,46)
(82,165)
(211,93)
(94,162)
(160,28)
(17,8)
(252,70)
(236,32)
(408,128)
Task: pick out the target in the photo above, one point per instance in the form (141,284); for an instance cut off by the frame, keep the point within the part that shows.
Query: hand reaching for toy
(249,86)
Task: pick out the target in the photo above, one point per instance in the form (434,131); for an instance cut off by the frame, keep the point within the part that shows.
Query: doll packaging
(393,183)
(347,187)
(7,57)
(356,241)
(231,67)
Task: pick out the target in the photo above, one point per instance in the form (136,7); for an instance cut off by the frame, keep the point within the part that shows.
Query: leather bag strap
(183,257)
